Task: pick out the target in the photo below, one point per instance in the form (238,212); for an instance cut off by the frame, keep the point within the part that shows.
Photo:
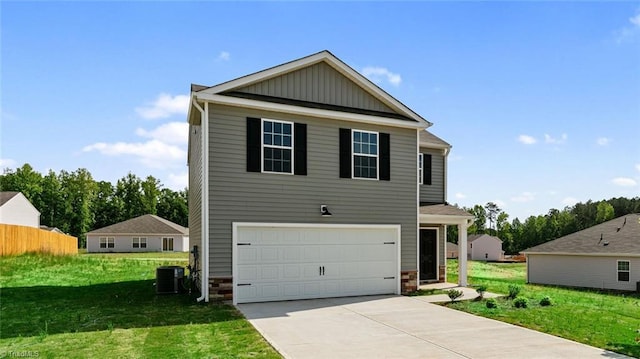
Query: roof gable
(617,236)
(6,196)
(475,237)
(316,79)
(9,195)
(146,224)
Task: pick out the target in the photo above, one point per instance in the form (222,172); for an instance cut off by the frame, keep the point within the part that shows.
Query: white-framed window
(107,242)
(420,166)
(277,146)
(365,154)
(624,269)
(139,242)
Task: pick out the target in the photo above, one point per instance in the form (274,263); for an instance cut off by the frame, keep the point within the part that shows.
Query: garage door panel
(298,263)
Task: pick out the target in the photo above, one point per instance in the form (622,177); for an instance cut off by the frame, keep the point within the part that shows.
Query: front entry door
(428,254)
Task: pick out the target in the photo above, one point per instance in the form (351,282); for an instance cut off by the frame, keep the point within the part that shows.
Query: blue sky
(540,100)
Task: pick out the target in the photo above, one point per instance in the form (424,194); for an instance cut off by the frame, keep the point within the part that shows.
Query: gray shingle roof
(147,224)
(444,209)
(473,237)
(617,236)
(6,196)
(428,139)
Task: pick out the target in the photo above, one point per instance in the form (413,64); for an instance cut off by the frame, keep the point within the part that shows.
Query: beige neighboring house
(605,256)
(147,233)
(483,247)
(16,209)
(452,250)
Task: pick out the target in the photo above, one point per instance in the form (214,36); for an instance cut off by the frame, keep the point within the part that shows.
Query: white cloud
(557,141)
(7,162)
(153,153)
(164,106)
(172,132)
(603,141)
(460,195)
(629,32)
(569,201)
(380,74)
(524,197)
(224,56)
(527,140)
(638,166)
(624,181)
(178,181)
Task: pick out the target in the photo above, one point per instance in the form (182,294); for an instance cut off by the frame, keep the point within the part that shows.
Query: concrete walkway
(399,327)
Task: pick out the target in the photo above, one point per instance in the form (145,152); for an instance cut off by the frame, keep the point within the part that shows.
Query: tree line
(517,236)
(75,203)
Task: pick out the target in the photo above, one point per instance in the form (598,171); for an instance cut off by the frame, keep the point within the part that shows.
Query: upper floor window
(277,146)
(365,154)
(420,166)
(623,271)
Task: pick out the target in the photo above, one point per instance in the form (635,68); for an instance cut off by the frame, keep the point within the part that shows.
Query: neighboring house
(148,233)
(452,250)
(605,256)
(484,247)
(51,229)
(302,184)
(16,209)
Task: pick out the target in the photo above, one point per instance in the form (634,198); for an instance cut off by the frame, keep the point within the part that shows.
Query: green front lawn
(104,305)
(606,320)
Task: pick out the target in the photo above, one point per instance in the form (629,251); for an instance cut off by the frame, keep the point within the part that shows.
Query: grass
(105,305)
(608,320)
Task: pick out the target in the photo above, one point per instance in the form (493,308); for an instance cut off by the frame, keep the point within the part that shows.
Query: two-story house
(306,180)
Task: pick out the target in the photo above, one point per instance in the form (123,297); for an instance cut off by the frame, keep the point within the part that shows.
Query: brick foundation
(442,274)
(408,281)
(221,288)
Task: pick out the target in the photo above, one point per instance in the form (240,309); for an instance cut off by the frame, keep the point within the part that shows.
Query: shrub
(481,290)
(545,301)
(514,290)
(454,294)
(492,303)
(521,302)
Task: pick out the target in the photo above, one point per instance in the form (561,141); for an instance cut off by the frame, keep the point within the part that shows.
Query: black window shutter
(426,169)
(385,158)
(345,153)
(300,149)
(254,152)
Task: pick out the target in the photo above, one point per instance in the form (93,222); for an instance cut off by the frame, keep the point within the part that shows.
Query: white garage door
(287,262)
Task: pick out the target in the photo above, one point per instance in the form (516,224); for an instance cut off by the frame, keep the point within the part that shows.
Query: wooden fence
(16,240)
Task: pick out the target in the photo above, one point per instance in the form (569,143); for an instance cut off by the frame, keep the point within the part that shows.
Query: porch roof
(444,214)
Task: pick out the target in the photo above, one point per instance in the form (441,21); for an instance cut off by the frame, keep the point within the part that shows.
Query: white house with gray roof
(147,233)
(16,209)
(307,180)
(605,256)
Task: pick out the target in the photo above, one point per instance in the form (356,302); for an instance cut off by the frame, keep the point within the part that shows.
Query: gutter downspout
(204,202)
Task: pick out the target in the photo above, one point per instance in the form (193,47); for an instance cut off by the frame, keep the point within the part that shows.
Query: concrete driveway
(399,327)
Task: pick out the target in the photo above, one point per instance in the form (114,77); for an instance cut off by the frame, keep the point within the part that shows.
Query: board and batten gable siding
(318,83)
(195,190)
(240,196)
(433,193)
(581,271)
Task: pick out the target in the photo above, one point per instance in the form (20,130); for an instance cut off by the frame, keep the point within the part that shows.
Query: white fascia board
(444,219)
(332,61)
(617,255)
(438,146)
(314,225)
(307,111)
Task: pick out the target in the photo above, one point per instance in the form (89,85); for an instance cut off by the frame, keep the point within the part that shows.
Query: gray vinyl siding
(435,192)
(240,196)
(581,271)
(318,83)
(195,189)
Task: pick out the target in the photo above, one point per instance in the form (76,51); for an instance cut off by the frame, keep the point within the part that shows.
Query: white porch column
(462,253)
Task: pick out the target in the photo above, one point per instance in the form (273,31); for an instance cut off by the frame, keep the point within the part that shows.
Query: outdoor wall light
(324,211)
